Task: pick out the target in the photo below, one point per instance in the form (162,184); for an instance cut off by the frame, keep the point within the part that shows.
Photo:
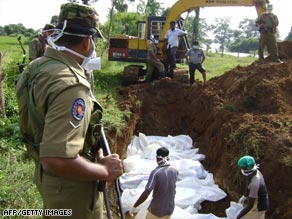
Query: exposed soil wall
(245,111)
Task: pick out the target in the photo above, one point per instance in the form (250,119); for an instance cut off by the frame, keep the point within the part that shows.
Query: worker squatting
(37,212)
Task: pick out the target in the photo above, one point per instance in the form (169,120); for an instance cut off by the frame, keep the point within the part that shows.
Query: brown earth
(248,110)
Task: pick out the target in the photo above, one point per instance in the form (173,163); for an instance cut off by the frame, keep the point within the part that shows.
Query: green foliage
(245,45)
(123,22)
(248,28)
(107,81)
(16,178)
(153,8)
(11,49)
(222,32)
(203,28)
(289,37)
(120,6)
(216,65)
(16,29)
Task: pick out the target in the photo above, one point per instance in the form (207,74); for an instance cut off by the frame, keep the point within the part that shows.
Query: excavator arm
(182,6)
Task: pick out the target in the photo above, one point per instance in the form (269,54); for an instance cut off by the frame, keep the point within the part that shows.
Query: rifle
(21,66)
(106,151)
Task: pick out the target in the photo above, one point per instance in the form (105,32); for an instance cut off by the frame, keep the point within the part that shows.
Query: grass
(215,65)
(10,48)
(16,169)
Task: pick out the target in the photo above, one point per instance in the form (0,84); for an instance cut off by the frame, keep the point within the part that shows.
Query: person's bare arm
(78,168)
(142,198)
(246,209)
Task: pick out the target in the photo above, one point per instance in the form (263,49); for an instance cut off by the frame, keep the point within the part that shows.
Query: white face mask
(89,63)
(249,172)
(163,161)
(92,62)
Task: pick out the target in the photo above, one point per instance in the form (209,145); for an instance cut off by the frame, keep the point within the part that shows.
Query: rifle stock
(106,151)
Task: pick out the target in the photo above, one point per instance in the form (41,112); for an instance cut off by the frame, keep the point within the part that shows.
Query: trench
(239,112)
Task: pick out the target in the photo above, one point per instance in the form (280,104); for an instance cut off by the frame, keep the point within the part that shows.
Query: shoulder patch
(78,109)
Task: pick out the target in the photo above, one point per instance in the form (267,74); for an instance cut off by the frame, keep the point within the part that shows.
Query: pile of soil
(248,110)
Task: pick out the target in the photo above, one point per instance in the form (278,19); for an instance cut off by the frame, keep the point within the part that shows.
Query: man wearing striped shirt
(162,181)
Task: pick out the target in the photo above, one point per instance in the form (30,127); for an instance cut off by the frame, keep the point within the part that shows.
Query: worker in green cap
(257,195)
(60,119)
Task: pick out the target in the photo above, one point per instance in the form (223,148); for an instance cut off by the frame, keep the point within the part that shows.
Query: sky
(36,13)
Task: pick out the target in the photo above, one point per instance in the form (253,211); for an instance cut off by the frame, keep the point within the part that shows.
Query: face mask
(89,63)
(92,62)
(196,47)
(163,161)
(249,172)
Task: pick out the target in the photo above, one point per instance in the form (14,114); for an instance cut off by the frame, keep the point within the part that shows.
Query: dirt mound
(285,49)
(248,110)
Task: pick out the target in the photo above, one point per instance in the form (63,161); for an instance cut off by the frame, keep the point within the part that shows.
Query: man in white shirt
(172,44)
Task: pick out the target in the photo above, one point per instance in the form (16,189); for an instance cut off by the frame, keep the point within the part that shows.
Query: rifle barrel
(116,181)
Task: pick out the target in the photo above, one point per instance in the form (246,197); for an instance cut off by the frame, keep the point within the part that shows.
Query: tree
(202,34)
(120,5)
(248,28)
(153,8)
(120,20)
(2,31)
(245,38)
(16,29)
(149,8)
(54,20)
(85,2)
(222,32)
(289,37)
(196,25)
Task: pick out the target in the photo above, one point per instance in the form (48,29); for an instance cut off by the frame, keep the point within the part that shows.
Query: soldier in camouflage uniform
(267,24)
(153,62)
(38,44)
(60,119)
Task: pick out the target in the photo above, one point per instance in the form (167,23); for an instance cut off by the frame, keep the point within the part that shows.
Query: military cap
(79,19)
(48,27)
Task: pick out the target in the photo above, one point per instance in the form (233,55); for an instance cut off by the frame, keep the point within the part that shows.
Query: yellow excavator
(133,49)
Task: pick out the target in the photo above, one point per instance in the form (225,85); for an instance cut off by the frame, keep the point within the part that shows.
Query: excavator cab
(134,48)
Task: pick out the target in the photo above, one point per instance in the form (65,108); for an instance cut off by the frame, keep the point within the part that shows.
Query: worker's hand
(112,163)
(132,211)
(242,200)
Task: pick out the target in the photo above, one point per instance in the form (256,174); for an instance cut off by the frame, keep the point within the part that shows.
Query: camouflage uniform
(153,62)
(64,101)
(38,44)
(37,47)
(268,23)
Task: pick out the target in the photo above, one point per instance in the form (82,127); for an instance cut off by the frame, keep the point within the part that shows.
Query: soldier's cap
(270,7)
(79,19)
(49,27)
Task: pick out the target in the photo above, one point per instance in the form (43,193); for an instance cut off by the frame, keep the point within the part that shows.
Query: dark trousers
(268,39)
(171,55)
(193,68)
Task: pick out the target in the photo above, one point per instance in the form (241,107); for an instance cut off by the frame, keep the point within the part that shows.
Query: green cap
(246,162)
(80,19)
